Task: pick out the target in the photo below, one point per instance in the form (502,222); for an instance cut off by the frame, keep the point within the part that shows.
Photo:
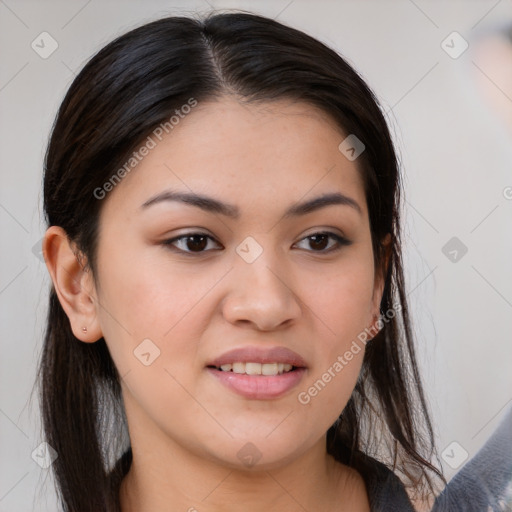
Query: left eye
(197,242)
(319,240)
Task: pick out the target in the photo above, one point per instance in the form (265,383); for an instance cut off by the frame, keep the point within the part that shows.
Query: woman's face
(253,279)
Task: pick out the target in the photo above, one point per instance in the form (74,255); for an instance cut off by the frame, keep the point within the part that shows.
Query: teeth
(239,367)
(253,368)
(270,369)
(257,368)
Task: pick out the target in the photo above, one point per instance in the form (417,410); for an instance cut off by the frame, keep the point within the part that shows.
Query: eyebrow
(212,205)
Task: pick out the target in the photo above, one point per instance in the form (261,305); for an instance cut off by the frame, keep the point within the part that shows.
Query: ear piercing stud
(84,329)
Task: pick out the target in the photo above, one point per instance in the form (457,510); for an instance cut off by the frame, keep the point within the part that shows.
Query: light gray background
(457,163)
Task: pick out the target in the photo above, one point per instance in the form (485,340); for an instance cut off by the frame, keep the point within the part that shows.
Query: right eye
(191,243)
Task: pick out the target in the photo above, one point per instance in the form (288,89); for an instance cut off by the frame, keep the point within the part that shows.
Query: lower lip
(259,387)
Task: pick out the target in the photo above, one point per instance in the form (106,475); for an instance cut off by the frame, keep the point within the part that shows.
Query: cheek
(148,295)
(342,301)
(153,329)
(326,391)
(144,299)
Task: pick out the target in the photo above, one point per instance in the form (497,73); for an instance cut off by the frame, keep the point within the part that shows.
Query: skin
(186,428)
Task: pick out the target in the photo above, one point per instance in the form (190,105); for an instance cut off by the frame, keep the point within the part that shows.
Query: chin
(257,454)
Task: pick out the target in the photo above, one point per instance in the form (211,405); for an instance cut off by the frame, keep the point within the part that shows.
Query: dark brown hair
(127,89)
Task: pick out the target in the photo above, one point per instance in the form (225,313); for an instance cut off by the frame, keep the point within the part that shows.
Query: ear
(380,280)
(73,284)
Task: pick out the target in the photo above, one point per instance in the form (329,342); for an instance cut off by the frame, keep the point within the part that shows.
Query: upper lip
(254,354)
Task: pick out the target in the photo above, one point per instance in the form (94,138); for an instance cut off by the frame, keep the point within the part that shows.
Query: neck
(181,481)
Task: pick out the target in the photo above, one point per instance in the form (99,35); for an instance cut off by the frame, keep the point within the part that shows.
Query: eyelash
(341,241)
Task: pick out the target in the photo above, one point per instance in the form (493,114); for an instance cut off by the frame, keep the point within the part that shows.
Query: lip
(259,387)
(260,355)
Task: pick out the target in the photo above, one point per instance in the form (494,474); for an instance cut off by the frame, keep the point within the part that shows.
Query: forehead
(279,151)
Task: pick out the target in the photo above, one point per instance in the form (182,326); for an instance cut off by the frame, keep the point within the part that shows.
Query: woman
(228,320)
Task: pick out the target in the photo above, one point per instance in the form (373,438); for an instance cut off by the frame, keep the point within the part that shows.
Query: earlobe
(73,284)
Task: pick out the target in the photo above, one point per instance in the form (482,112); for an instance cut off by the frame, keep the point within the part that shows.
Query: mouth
(259,373)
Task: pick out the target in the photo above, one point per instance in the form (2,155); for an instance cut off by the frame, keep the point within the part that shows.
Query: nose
(262,294)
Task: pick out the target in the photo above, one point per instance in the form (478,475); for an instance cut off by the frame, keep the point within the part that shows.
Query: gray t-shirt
(483,484)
